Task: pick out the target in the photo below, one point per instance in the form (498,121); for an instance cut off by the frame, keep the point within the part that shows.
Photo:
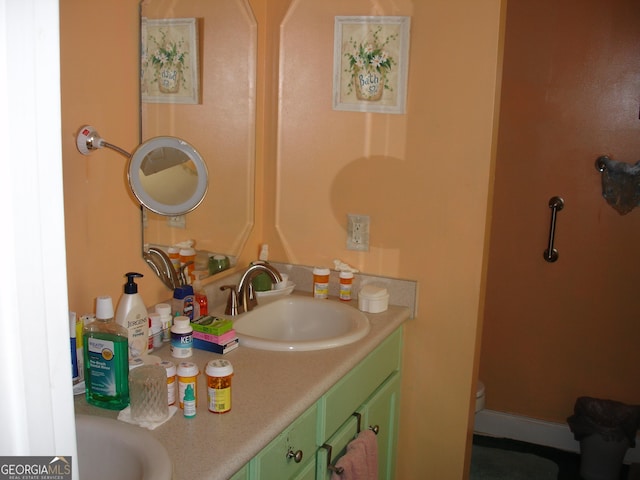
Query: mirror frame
(143,196)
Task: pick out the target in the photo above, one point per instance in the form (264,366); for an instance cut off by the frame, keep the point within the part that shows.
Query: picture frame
(169,61)
(370,63)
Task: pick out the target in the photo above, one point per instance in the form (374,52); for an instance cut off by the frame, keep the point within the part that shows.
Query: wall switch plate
(358,232)
(177,221)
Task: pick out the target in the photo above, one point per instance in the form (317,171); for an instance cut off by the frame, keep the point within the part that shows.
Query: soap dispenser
(132,315)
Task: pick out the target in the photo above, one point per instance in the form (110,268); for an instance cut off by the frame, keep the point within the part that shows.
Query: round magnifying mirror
(168,176)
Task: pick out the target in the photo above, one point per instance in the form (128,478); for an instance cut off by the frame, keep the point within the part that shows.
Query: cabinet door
(278,459)
(338,443)
(346,396)
(309,472)
(242,474)
(381,412)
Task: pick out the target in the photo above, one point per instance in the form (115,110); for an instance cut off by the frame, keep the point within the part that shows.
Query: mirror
(211,105)
(168,176)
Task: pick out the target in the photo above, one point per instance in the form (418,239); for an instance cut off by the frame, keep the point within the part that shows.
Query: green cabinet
(379,413)
(290,452)
(367,397)
(242,474)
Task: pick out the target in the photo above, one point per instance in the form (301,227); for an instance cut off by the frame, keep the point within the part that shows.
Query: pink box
(219,339)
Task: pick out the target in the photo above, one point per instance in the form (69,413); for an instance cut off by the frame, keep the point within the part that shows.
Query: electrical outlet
(358,232)
(177,221)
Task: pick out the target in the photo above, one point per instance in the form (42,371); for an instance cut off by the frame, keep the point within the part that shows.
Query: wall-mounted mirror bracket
(89,140)
(166,174)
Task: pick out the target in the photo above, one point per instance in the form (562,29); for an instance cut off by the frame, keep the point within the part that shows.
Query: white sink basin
(296,323)
(109,449)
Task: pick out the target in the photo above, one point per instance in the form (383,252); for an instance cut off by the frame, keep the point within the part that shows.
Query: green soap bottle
(262,281)
(106,359)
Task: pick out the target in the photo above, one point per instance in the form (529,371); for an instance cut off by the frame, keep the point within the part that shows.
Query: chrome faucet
(242,298)
(162,266)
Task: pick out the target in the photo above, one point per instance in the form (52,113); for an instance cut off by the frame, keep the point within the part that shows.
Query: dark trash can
(605,430)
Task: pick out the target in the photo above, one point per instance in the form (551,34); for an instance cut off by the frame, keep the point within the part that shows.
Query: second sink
(109,449)
(298,323)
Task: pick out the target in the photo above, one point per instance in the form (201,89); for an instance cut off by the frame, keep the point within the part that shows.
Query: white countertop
(269,391)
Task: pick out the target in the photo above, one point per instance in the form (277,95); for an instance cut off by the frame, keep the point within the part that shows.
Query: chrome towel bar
(555,204)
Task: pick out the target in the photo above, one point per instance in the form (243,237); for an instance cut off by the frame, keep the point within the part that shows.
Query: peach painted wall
(555,331)
(423,177)
(99,67)
(102,221)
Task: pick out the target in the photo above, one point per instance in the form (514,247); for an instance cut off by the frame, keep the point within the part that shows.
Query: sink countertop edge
(270,389)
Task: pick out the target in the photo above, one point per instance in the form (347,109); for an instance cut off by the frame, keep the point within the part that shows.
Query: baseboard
(538,432)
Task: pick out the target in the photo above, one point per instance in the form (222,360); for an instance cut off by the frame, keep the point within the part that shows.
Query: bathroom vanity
(367,397)
(286,406)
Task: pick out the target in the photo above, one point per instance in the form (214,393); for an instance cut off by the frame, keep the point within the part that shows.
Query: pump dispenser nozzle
(131,286)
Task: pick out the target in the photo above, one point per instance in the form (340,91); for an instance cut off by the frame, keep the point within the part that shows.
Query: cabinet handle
(375,429)
(297,456)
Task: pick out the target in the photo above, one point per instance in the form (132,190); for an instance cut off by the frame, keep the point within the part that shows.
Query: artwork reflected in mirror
(214,112)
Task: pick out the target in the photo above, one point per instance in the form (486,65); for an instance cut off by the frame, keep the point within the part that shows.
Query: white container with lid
(373,299)
(181,337)
(164,309)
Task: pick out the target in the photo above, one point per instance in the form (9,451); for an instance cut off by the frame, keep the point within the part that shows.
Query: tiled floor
(568,462)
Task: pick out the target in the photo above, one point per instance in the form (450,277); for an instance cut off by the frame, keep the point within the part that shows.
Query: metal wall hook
(620,183)
(555,204)
(601,163)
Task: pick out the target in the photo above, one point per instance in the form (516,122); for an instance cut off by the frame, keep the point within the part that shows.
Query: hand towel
(360,462)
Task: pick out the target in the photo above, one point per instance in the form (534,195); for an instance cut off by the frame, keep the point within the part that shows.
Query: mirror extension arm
(88,140)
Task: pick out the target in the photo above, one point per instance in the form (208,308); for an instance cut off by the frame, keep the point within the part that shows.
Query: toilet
(480,396)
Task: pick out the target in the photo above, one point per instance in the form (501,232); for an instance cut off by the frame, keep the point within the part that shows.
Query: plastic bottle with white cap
(106,364)
(321,282)
(181,337)
(132,315)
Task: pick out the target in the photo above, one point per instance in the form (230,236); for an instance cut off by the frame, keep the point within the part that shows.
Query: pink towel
(360,462)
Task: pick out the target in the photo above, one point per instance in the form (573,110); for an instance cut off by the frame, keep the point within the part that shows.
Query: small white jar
(373,299)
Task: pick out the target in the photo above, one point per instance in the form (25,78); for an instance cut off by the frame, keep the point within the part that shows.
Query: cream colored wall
(423,177)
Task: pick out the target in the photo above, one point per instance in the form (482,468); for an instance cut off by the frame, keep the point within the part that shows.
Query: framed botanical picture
(169,61)
(370,63)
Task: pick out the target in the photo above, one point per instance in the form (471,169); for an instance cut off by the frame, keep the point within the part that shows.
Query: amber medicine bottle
(219,373)
(171,381)
(321,282)
(187,375)
(346,282)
